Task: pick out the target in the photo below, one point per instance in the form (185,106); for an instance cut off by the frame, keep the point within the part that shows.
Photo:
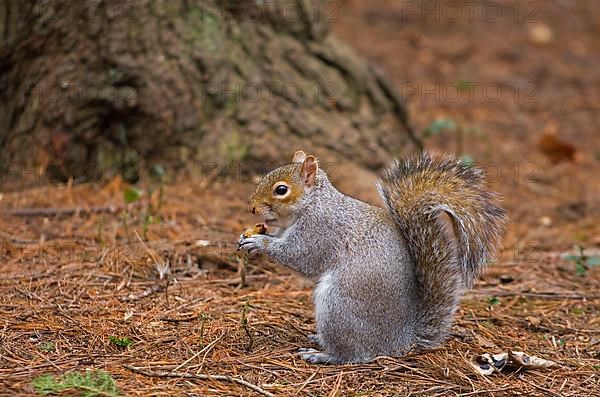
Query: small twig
(174,374)
(244,325)
(236,281)
(43,240)
(157,262)
(33,212)
(204,318)
(143,294)
(546,390)
(28,294)
(486,391)
(242,269)
(206,349)
(180,320)
(541,295)
(15,239)
(163,268)
(307,381)
(336,387)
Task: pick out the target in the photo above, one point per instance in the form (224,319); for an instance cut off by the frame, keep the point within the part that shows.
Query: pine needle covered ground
(85,299)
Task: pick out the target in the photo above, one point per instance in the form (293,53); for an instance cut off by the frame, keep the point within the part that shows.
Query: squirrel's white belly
(322,288)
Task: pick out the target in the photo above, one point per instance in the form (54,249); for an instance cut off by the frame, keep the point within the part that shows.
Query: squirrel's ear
(299,157)
(309,170)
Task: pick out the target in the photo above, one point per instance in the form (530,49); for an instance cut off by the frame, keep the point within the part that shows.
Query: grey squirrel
(389,280)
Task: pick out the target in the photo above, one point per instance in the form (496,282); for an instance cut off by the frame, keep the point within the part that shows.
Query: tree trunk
(90,87)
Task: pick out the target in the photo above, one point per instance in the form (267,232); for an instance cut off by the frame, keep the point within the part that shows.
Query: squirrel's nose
(252,209)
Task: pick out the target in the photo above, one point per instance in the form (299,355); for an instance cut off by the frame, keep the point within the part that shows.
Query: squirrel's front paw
(254,244)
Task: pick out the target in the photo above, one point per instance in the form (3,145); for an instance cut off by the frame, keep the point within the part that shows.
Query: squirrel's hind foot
(316,357)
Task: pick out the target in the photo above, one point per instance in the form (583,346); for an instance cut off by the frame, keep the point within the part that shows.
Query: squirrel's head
(278,197)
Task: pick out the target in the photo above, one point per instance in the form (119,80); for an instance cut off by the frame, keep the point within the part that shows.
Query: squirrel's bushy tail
(452,227)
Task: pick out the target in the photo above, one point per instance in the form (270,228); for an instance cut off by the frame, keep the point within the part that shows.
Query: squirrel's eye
(281,190)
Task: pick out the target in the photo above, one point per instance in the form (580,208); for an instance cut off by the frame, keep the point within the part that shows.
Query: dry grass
(200,332)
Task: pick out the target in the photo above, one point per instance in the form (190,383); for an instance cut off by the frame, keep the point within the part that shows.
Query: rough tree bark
(96,86)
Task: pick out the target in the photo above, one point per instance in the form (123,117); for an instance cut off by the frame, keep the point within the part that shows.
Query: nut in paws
(253,244)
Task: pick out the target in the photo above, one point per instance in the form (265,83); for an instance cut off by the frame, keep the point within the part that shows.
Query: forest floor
(81,290)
